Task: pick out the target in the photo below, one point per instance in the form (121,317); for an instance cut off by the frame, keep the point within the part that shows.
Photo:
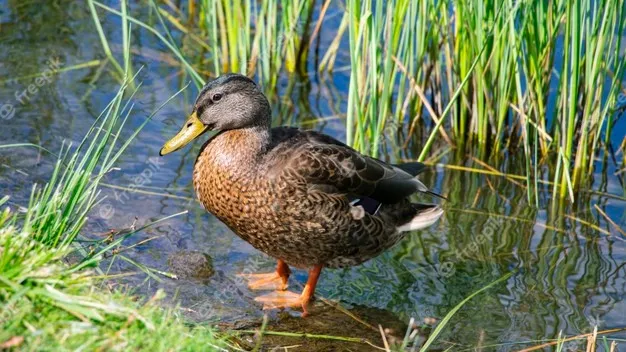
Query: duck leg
(270,281)
(284,299)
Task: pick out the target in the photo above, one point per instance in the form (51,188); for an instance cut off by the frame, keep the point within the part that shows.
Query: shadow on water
(571,261)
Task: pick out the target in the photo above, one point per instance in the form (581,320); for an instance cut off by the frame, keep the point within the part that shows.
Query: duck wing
(331,166)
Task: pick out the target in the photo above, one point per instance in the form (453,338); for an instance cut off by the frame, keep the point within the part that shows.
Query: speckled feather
(287,192)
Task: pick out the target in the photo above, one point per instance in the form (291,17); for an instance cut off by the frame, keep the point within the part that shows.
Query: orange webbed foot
(286,299)
(270,281)
(267,281)
(283,299)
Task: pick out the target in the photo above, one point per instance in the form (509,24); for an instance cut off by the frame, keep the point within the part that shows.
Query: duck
(300,196)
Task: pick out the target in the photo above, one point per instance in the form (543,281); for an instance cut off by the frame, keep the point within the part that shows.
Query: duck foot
(269,281)
(283,299)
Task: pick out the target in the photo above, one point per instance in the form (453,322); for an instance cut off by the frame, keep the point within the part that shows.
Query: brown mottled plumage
(301,197)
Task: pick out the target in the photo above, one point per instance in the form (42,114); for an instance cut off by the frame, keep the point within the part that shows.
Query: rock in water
(191,264)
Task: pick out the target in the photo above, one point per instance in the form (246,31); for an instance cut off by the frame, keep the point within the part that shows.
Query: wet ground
(570,261)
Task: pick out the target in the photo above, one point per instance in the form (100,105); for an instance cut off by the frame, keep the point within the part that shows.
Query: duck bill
(190,131)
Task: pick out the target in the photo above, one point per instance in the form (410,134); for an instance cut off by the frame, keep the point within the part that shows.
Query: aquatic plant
(516,82)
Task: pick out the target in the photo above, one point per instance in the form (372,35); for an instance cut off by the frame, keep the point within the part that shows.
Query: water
(570,276)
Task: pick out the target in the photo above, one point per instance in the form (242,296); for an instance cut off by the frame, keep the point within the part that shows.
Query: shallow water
(570,276)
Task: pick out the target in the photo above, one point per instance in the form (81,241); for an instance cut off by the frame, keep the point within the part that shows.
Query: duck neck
(252,141)
(237,148)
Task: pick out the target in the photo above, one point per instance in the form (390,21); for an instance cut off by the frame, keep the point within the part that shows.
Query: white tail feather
(422,220)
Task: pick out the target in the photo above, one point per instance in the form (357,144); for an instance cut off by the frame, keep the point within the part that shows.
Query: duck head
(229,102)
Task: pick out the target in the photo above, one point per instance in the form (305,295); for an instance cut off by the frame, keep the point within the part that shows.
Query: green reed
(408,61)
(593,28)
(259,38)
(401,26)
(264,38)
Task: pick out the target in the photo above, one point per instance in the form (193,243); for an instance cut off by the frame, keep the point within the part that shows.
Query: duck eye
(217,96)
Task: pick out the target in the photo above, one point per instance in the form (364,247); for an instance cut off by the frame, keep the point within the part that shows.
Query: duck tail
(424,216)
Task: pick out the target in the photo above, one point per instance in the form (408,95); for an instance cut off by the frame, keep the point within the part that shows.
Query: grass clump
(51,303)
(56,309)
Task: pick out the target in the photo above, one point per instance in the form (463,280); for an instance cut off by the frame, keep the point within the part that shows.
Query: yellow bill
(192,129)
